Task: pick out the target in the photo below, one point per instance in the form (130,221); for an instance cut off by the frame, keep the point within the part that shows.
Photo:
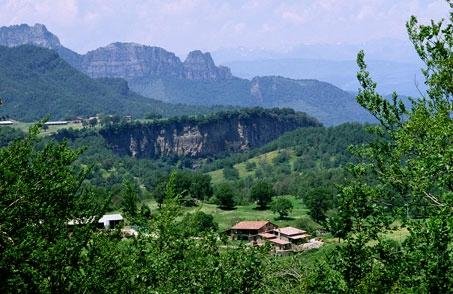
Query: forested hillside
(159,74)
(307,162)
(35,82)
(329,104)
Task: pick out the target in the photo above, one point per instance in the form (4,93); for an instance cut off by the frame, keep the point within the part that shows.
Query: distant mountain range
(405,78)
(379,49)
(35,82)
(393,63)
(161,75)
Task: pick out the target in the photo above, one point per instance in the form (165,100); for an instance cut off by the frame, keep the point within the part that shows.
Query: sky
(184,25)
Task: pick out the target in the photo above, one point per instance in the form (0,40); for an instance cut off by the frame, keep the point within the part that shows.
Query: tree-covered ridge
(328,144)
(330,104)
(277,114)
(35,82)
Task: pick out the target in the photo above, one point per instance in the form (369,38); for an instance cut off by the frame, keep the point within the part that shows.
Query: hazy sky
(183,25)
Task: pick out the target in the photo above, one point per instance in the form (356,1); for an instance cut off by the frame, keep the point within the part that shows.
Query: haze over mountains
(393,63)
(159,74)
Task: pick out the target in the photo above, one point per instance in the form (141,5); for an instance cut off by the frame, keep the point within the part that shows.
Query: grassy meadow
(227,218)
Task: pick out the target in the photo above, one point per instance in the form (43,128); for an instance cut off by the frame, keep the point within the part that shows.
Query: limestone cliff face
(200,66)
(230,132)
(120,60)
(37,35)
(23,34)
(129,61)
(134,61)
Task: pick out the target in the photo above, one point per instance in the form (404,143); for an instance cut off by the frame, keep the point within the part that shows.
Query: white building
(56,123)
(109,221)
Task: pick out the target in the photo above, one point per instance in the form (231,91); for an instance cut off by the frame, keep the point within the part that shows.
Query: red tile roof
(302,236)
(290,231)
(279,241)
(250,225)
(267,235)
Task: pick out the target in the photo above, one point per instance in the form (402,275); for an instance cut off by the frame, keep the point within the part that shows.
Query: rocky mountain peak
(24,34)
(197,56)
(131,61)
(200,66)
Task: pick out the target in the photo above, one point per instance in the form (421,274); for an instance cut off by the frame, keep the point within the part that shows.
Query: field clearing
(217,175)
(227,218)
(24,126)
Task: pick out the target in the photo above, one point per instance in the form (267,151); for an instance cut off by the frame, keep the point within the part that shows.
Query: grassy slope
(217,175)
(227,218)
(24,126)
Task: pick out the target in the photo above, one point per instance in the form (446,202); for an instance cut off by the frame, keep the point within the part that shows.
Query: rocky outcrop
(134,61)
(200,66)
(37,35)
(130,61)
(224,132)
(120,60)
(23,34)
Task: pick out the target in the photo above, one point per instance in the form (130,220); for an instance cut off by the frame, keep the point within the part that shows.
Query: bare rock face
(23,34)
(134,61)
(200,66)
(119,60)
(37,35)
(129,61)
(227,132)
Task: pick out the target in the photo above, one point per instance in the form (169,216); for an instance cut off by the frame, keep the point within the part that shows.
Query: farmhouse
(261,232)
(250,230)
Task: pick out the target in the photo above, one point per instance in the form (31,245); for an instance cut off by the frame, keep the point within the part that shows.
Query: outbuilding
(110,221)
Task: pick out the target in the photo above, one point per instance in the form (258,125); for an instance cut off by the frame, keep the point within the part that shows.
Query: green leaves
(405,177)
(40,193)
(281,206)
(262,192)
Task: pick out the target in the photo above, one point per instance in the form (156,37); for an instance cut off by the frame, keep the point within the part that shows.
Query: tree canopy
(262,192)
(404,178)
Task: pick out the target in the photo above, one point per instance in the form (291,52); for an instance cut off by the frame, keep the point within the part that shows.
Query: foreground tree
(41,192)
(130,195)
(405,177)
(49,243)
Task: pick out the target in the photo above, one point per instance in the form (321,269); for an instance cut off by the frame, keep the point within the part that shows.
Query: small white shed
(109,221)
